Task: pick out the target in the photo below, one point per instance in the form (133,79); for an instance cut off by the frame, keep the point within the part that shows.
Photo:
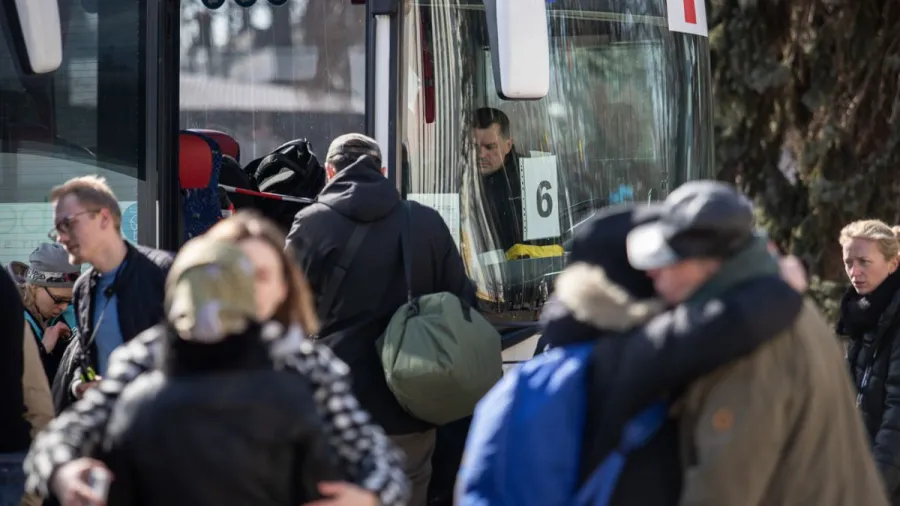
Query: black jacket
(629,370)
(374,286)
(503,202)
(139,290)
(14,430)
(217,426)
(66,372)
(877,349)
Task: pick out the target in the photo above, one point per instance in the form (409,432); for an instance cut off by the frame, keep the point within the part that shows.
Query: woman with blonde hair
(869,319)
(370,463)
(46,284)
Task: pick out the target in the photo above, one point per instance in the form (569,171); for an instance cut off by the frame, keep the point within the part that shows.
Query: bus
(606,101)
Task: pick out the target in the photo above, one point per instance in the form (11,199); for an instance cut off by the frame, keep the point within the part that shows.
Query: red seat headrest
(226,143)
(195,160)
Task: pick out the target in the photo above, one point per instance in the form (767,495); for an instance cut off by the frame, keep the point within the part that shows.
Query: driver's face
(492,148)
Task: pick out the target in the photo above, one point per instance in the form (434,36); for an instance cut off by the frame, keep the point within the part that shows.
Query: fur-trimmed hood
(593,299)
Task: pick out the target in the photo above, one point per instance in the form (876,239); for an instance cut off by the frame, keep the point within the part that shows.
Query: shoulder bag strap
(340,270)
(406,248)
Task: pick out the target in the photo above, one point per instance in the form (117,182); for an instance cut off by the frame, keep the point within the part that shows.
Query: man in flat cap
(750,429)
(348,245)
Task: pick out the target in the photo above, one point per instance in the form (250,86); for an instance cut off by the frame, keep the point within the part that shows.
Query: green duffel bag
(440,357)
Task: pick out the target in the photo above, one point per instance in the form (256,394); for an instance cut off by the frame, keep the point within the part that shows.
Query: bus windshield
(626,119)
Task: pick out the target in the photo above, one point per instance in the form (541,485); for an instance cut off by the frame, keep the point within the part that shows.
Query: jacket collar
(590,297)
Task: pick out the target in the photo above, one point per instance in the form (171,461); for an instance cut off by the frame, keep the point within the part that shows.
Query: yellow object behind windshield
(521,251)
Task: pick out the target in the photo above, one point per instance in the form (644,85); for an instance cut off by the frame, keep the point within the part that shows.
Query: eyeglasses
(64,225)
(60,301)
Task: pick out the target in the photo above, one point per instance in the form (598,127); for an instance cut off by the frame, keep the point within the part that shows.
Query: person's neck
(111,257)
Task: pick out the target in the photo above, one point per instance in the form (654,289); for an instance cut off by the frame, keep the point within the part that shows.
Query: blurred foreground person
(870,320)
(14,427)
(217,424)
(778,427)
(634,352)
(372,467)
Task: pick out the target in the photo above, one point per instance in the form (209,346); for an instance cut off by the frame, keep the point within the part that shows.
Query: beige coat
(35,386)
(36,391)
(779,428)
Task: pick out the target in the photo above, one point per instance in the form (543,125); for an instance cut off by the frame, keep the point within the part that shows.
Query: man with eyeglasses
(120,296)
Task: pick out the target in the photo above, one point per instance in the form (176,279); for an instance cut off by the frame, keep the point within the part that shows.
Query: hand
(793,273)
(52,335)
(70,483)
(84,387)
(339,493)
(792,270)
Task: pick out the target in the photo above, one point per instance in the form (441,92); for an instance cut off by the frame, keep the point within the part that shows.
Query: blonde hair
(29,295)
(92,192)
(299,306)
(877,231)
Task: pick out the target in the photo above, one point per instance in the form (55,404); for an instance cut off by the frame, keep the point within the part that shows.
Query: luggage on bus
(290,169)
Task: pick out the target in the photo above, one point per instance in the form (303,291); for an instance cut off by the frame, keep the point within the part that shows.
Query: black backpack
(291,169)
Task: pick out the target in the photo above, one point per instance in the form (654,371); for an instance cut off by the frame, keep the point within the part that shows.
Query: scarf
(860,314)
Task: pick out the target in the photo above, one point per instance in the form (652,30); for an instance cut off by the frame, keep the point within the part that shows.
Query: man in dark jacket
(121,294)
(13,426)
(355,311)
(499,167)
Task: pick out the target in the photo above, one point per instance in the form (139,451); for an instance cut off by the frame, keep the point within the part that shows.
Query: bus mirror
(520,48)
(37,35)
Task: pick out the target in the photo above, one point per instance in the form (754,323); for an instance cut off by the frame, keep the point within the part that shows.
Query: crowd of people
(245,369)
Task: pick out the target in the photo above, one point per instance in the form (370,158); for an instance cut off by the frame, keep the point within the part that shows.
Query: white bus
(607,101)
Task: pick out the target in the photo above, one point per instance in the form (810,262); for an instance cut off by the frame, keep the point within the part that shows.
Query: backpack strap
(340,270)
(598,489)
(38,333)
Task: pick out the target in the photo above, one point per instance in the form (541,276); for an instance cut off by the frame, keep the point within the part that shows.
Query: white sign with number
(540,197)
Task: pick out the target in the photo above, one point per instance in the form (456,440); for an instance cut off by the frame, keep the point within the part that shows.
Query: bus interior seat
(199,164)
(227,144)
(195,161)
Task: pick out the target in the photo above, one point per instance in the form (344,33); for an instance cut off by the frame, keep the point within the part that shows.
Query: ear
(892,264)
(384,171)
(105,218)
(329,170)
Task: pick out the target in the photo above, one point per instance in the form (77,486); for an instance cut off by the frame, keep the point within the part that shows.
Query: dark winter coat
(374,286)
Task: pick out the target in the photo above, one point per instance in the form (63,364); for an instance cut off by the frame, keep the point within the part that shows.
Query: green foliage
(807,103)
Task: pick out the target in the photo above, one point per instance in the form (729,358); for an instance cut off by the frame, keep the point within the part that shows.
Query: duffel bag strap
(340,270)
